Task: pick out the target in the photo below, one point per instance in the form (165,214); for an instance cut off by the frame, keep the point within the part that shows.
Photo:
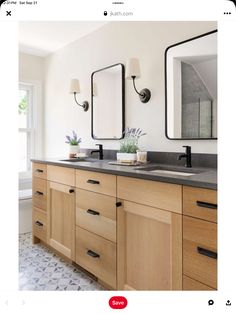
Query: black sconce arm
(144,94)
(133,77)
(85,104)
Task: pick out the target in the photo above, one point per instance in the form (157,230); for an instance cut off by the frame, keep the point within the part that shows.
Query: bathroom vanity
(133,229)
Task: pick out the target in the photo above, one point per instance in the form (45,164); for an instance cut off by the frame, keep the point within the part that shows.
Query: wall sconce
(133,72)
(74,89)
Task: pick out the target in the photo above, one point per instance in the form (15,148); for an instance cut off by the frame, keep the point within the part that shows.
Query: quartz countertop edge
(207,178)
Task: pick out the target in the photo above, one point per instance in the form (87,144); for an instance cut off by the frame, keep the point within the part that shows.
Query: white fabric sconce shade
(132,68)
(74,86)
(132,73)
(75,89)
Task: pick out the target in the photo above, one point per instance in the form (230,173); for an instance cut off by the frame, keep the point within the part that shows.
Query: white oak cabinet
(149,238)
(199,239)
(132,234)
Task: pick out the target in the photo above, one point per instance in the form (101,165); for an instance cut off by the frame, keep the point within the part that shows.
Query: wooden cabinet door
(61,209)
(149,254)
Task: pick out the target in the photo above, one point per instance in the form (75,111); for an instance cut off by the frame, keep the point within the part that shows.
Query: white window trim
(30,129)
(36,122)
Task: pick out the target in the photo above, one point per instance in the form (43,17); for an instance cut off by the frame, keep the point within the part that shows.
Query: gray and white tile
(42,270)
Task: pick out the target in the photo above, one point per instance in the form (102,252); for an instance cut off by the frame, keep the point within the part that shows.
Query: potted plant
(73,142)
(129,145)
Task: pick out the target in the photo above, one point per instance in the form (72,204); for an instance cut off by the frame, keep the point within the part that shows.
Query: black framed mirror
(191,88)
(108,102)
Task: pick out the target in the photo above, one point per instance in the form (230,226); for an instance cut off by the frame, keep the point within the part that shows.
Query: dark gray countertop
(204,177)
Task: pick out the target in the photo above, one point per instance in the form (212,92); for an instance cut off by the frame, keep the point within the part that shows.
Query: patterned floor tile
(42,270)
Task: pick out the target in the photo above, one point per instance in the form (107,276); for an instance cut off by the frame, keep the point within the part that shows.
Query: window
(26,127)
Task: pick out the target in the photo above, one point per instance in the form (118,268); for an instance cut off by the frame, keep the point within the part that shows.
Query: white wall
(207,70)
(114,43)
(31,68)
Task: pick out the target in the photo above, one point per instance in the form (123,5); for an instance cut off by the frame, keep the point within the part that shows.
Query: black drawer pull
(118,204)
(37,193)
(93,182)
(206,205)
(93,254)
(206,252)
(38,223)
(71,190)
(38,170)
(92,212)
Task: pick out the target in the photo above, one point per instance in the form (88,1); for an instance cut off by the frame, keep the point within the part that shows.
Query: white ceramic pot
(126,157)
(73,150)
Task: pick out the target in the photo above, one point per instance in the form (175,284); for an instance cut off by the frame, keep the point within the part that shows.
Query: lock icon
(105,13)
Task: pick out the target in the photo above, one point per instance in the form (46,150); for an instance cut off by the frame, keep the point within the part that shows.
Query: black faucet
(188,156)
(100,151)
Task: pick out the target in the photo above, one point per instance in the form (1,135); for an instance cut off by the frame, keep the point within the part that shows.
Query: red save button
(118,302)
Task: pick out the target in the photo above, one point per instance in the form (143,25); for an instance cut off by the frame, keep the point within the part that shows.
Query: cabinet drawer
(97,255)
(199,250)
(191,284)
(40,224)
(96,182)
(156,194)
(200,203)
(61,175)
(97,213)
(40,170)
(40,193)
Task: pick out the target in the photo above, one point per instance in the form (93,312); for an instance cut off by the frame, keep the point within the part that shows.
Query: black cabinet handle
(93,182)
(206,252)
(92,212)
(37,193)
(93,254)
(38,223)
(118,204)
(38,170)
(71,190)
(206,205)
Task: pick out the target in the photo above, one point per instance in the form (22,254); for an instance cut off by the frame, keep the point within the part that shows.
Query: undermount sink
(169,171)
(77,160)
(179,173)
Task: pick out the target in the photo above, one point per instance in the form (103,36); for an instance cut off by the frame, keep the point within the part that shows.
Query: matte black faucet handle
(100,145)
(188,148)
